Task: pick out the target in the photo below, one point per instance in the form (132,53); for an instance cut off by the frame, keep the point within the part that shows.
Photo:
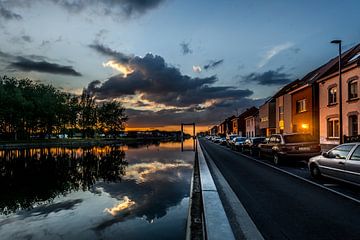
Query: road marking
(301,178)
(331,185)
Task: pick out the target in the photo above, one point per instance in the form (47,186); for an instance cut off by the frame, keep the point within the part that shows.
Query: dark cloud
(28,65)
(271,77)
(8,14)
(185,48)
(26,38)
(213,64)
(128,8)
(106,51)
(199,114)
(159,82)
(186,98)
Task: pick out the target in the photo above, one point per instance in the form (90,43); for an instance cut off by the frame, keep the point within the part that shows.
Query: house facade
(329,100)
(267,118)
(252,125)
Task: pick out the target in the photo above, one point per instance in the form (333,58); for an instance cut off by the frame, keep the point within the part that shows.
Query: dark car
(295,146)
(251,145)
(238,143)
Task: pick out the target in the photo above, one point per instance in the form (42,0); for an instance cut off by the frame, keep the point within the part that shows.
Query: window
(301,106)
(332,95)
(333,128)
(356,154)
(264,119)
(341,151)
(353,89)
(353,125)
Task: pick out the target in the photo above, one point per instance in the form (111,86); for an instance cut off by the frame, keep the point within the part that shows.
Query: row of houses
(308,105)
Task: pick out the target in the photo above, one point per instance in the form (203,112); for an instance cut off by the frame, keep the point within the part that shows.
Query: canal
(112,192)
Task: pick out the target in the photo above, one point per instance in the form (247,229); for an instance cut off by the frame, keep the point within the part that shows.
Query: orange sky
(187,129)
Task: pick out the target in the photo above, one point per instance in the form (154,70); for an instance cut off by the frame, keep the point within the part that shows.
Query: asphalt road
(282,206)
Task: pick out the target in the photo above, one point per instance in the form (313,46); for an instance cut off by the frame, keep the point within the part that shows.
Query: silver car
(341,163)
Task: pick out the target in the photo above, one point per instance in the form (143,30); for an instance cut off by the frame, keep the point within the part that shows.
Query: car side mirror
(325,154)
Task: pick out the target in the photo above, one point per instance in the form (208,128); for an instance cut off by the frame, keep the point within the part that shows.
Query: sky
(173,61)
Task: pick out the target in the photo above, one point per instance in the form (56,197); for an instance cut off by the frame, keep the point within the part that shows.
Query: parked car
(251,145)
(222,141)
(341,163)
(229,139)
(216,139)
(238,143)
(294,146)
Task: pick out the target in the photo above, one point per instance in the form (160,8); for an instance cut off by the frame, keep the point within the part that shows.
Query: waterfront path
(283,206)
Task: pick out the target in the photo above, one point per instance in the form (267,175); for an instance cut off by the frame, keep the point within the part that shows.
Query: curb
(216,222)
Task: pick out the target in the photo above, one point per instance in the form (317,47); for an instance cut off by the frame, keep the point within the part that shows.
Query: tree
(111,117)
(87,114)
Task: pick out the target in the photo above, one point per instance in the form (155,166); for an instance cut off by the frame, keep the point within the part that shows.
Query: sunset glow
(124,69)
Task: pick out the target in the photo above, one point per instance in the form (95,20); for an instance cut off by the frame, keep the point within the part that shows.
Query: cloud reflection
(141,172)
(126,203)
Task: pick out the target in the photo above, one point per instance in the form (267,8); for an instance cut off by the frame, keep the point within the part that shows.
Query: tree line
(30,109)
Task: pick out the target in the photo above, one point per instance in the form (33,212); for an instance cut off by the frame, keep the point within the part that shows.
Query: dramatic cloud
(106,51)
(8,15)
(127,8)
(271,77)
(273,52)
(213,64)
(28,65)
(185,48)
(161,95)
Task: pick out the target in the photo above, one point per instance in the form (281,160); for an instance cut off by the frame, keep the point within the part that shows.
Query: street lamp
(338,42)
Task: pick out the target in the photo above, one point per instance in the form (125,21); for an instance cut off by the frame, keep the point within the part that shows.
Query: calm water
(112,192)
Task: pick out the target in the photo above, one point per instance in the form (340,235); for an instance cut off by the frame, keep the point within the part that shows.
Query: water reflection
(32,177)
(96,193)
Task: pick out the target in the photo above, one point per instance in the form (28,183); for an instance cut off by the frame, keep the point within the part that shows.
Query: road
(283,206)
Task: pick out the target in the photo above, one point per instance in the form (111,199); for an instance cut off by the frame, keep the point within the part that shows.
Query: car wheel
(315,171)
(276,159)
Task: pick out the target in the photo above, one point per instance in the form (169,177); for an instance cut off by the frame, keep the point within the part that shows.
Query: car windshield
(297,138)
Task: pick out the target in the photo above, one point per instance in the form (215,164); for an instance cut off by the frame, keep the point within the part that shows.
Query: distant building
(242,122)
(214,130)
(252,125)
(267,118)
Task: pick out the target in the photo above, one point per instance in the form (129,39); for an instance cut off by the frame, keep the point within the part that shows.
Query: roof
(249,112)
(287,88)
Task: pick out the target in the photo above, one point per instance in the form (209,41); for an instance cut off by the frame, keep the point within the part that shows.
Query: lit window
(353,125)
(353,89)
(333,128)
(301,106)
(332,95)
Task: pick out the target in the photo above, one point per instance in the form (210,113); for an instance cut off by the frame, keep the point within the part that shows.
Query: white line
(298,177)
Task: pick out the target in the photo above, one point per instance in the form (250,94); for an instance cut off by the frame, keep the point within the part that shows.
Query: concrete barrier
(216,223)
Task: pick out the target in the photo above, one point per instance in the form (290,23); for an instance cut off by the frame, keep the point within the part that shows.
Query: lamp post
(338,42)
